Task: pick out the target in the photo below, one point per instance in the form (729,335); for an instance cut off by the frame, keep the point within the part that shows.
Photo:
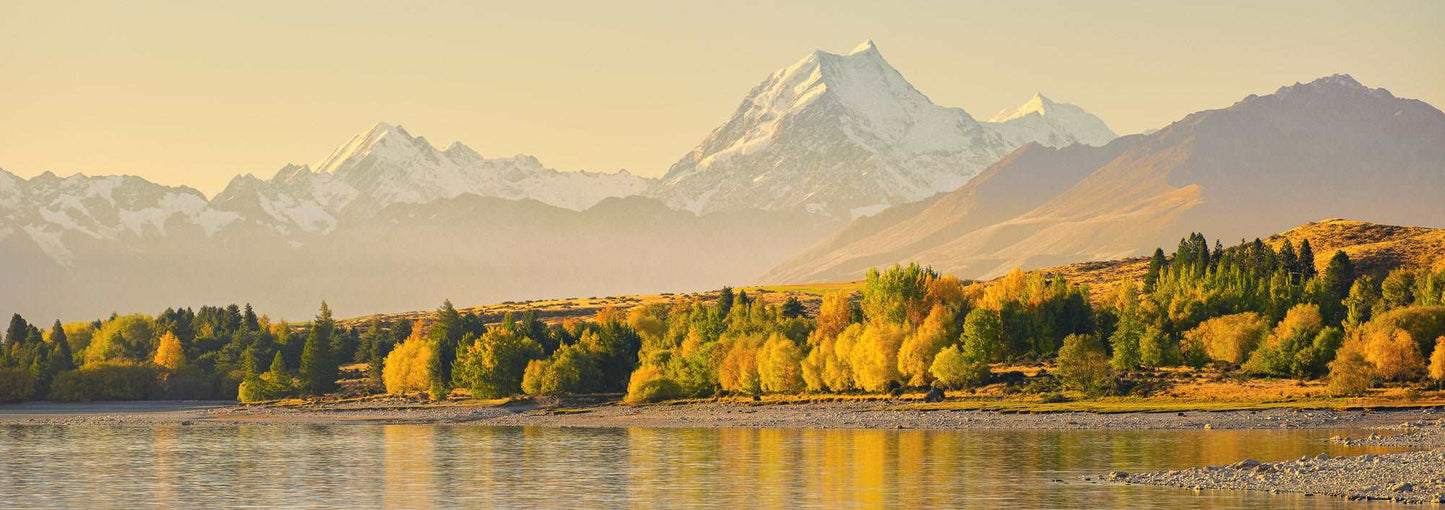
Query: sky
(193,93)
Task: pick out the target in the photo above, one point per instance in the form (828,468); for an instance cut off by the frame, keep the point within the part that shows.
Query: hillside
(1332,147)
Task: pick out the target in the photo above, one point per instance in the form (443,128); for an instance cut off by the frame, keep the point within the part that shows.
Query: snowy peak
(1036,105)
(846,135)
(1043,121)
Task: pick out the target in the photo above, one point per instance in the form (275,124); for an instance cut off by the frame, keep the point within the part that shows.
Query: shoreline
(596,412)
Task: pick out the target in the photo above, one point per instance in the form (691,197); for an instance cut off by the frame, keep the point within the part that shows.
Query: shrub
(954,369)
(1351,375)
(105,381)
(648,384)
(16,384)
(1083,364)
(408,367)
(1230,338)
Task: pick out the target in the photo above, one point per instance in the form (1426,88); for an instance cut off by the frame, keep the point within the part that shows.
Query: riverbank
(854,413)
(1410,477)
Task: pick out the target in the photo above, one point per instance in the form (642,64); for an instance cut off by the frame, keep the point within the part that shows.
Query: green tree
(61,359)
(1306,260)
(446,334)
(1156,266)
(493,366)
(1335,286)
(1083,365)
(318,365)
(983,335)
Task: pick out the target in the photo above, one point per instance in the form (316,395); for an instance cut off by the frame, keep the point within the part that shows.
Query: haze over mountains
(390,222)
(1329,148)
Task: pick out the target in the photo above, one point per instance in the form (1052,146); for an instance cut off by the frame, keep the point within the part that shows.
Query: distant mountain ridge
(847,135)
(1328,148)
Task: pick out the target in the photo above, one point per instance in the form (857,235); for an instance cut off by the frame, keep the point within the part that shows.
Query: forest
(1251,310)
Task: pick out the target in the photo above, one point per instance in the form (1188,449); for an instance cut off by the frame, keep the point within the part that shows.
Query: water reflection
(424,466)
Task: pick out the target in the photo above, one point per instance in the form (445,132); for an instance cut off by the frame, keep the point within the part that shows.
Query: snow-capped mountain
(57,212)
(387,165)
(1050,124)
(847,135)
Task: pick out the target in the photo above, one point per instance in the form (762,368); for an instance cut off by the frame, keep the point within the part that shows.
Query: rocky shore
(1410,477)
(877,414)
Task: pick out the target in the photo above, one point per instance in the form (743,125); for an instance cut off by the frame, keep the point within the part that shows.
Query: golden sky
(195,92)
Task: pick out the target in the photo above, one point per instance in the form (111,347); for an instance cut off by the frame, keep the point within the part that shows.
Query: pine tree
(1156,266)
(278,365)
(60,355)
(1335,287)
(318,367)
(1288,260)
(249,319)
(447,333)
(1306,260)
(18,331)
(725,301)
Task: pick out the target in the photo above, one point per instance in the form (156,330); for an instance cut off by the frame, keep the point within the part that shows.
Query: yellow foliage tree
(875,357)
(834,315)
(1230,338)
(168,353)
(739,370)
(916,354)
(779,369)
(407,368)
(1393,352)
(1437,360)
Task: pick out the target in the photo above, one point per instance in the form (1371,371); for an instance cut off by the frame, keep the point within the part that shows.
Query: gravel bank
(1413,477)
(813,415)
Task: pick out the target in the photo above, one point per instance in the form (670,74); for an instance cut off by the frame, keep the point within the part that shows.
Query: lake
(462,466)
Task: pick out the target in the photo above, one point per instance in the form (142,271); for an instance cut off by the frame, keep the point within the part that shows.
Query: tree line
(1251,308)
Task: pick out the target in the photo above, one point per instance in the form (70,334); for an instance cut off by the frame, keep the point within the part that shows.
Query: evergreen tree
(278,364)
(18,331)
(1335,286)
(249,319)
(446,334)
(1306,260)
(724,301)
(1156,265)
(1288,260)
(60,355)
(318,366)
(792,308)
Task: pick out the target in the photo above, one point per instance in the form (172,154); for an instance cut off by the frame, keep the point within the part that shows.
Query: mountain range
(1328,148)
(829,166)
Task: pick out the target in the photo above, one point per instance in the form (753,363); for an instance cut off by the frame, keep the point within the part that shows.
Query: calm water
(439,466)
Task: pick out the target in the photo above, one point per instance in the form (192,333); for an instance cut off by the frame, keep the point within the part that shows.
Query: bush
(16,384)
(648,384)
(1083,365)
(105,381)
(955,370)
(408,367)
(1351,375)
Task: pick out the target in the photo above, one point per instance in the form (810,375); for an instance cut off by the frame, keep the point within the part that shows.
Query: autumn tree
(1437,362)
(779,369)
(955,369)
(168,353)
(407,367)
(918,349)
